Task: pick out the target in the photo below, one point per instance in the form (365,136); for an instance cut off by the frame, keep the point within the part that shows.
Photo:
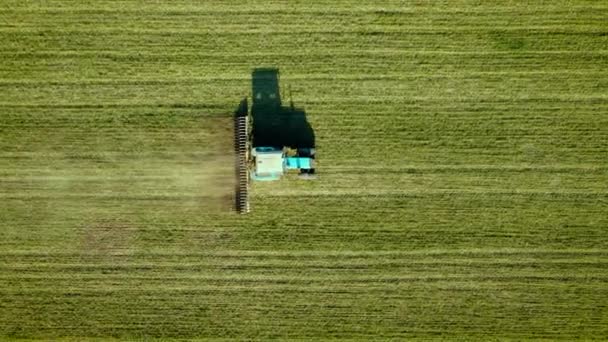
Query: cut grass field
(462,186)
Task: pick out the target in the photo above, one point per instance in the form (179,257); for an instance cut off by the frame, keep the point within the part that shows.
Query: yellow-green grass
(462,171)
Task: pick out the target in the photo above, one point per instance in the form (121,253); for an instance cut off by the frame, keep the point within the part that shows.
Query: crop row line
(494,252)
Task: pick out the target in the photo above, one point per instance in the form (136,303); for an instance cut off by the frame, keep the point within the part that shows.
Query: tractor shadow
(276,125)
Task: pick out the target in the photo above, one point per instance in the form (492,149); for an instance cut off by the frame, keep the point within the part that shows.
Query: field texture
(463,170)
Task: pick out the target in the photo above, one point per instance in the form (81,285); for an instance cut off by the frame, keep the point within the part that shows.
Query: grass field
(462,160)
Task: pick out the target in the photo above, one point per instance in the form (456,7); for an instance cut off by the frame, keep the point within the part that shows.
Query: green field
(462,186)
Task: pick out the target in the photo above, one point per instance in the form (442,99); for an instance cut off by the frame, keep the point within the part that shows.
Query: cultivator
(240,151)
